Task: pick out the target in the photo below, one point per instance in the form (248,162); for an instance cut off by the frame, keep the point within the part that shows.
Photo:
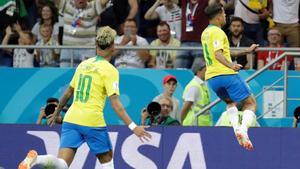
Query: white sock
(233,115)
(108,165)
(51,161)
(248,117)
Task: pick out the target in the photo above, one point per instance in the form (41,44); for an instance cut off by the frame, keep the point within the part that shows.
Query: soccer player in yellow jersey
(222,75)
(93,81)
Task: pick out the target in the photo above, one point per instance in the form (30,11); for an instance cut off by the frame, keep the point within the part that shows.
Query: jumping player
(222,75)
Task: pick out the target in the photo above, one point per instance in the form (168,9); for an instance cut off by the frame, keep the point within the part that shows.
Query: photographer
(47,111)
(296,120)
(158,113)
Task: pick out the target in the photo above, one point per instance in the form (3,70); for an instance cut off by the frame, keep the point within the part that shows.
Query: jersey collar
(99,58)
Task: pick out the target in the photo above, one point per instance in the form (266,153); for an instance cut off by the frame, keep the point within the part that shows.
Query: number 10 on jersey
(83,88)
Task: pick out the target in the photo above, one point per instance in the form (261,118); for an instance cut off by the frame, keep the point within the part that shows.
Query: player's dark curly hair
(212,10)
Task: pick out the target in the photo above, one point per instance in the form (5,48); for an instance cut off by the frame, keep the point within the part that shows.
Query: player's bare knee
(105,157)
(249,103)
(229,102)
(67,154)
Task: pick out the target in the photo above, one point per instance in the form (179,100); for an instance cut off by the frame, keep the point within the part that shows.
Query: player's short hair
(105,37)
(212,10)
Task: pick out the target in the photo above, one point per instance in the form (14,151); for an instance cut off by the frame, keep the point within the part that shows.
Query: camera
(49,109)
(154,109)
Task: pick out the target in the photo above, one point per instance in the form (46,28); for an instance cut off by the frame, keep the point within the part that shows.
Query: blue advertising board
(169,148)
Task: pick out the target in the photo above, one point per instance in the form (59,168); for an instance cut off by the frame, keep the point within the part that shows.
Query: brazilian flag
(6,3)
(19,3)
(22,8)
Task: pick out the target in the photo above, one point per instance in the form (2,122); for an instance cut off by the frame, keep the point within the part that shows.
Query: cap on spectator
(105,36)
(168,78)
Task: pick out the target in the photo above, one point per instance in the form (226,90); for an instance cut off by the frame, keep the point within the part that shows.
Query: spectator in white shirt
(169,12)
(22,58)
(48,17)
(80,20)
(131,58)
(47,57)
(170,85)
(286,18)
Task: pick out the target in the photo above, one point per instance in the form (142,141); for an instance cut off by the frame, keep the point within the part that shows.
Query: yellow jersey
(213,39)
(93,81)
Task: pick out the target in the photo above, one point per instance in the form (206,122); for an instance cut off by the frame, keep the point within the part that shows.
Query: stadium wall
(24,91)
(170,148)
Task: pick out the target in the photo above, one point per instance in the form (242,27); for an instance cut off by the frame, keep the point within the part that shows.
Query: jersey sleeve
(217,40)
(111,82)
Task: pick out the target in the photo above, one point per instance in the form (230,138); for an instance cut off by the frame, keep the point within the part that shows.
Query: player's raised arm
(238,53)
(119,109)
(63,101)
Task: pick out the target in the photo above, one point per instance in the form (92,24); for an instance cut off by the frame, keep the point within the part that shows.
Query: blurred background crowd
(170,23)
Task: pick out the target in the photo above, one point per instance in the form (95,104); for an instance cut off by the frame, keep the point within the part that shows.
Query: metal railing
(251,62)
(139,48)
(284,55)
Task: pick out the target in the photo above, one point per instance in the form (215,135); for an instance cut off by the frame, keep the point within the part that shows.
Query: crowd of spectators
(172,23)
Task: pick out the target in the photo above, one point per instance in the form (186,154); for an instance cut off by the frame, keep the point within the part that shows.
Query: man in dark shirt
(238,39)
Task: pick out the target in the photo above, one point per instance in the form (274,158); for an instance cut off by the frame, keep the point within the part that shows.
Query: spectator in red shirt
(264,57)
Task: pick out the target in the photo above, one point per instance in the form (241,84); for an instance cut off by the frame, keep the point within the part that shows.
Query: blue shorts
(73,135)
(230,87)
